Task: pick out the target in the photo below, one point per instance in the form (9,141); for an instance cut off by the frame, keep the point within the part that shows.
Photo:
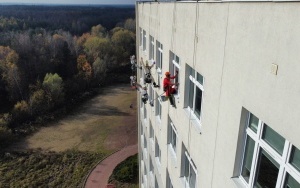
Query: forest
(51,55)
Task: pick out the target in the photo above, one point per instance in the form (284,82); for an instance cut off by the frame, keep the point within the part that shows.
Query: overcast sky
(94,2)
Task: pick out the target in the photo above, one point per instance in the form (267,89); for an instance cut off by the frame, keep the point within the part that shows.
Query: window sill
(172,154)
(195,121)
(158,120)
(152,144)
(158,70)
(145,153)
(238,182)
(184,182)
(158,165)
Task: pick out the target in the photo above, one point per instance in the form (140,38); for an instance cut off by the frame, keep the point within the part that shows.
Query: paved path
(98,178)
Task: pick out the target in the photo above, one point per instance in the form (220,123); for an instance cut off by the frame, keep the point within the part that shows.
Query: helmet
(167,74)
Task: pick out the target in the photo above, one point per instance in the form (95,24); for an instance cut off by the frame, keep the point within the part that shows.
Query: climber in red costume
(169,87)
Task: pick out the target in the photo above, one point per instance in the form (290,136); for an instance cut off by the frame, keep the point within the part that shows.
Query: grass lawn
(64,152)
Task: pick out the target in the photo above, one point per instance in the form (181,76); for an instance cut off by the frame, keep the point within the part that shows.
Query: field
(73,144)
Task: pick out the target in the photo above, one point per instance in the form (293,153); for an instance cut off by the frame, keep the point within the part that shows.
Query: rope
(224,54)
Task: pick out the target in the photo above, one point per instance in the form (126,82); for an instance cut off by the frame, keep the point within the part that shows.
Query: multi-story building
(237,117)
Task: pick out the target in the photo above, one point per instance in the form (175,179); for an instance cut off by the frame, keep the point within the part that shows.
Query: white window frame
(158,107)
(169,181)
(173,134)
(151,137)
(283,160)
(151,48)
(173,66)
(196,84)
(157,155)
(191,164)
(141,37)
(159,56)
(144,41)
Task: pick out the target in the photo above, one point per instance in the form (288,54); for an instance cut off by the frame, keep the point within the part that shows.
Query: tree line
(75,19)
(42,70)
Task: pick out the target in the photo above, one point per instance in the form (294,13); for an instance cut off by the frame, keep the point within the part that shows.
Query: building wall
(233,45)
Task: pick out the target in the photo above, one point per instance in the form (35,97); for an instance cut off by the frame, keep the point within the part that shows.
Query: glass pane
(290,182)
(273,139)
(200,78)
(192,178)
(177,59)
(191,94)
(198,101)
(295,158)
(173,139)
(186,168)
(253,123)
(248,155)
(267,171)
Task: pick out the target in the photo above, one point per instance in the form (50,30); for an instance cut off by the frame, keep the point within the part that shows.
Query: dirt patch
(104,123)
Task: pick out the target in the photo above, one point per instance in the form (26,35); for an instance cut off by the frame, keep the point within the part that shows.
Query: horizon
(67,3)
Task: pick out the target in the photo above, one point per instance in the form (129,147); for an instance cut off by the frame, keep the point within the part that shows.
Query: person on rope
(148,72)
(132,81)
(133,63)
(144,94)
(169,87)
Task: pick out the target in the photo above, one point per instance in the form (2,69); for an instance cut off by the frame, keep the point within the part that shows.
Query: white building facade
(237,116)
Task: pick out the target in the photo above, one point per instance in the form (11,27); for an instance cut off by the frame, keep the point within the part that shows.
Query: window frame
(157,154)
(144,41)
(151,47)
(284,169)
(158,107)
(191,88)
(173,135)
(141,37)
(174,65)
(192,166)
(159,56)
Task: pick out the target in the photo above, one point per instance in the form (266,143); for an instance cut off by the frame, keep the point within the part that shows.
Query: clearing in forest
(103,124)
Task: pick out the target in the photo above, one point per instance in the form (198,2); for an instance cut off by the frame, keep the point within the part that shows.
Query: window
(151,138)
(144,40)
(172,136)
(174,65)
(141,36)
(141,129)
(156,184)
(157,151)
(151,173)
(188,170)
(159,55)
(151,131)
(194,91)
(145,112)
(265,155)
(145,142)
(151,48)
(158,107)
(151,93)
(169,182)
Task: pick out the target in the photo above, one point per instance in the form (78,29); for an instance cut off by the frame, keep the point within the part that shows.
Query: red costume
(167,84)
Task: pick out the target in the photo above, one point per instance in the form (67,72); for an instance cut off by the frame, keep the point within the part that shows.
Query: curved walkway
(98,178)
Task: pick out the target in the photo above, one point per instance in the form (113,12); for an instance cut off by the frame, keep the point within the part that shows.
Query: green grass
(126,174)
(50,169)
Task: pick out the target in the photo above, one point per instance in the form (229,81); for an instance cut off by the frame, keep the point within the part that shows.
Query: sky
(87,2)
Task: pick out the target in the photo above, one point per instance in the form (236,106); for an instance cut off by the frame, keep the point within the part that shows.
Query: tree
(53,86)
(37,100)
(10,73)
(99,67)
(96,47)
(124,44)
(98,31)
(130,24)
